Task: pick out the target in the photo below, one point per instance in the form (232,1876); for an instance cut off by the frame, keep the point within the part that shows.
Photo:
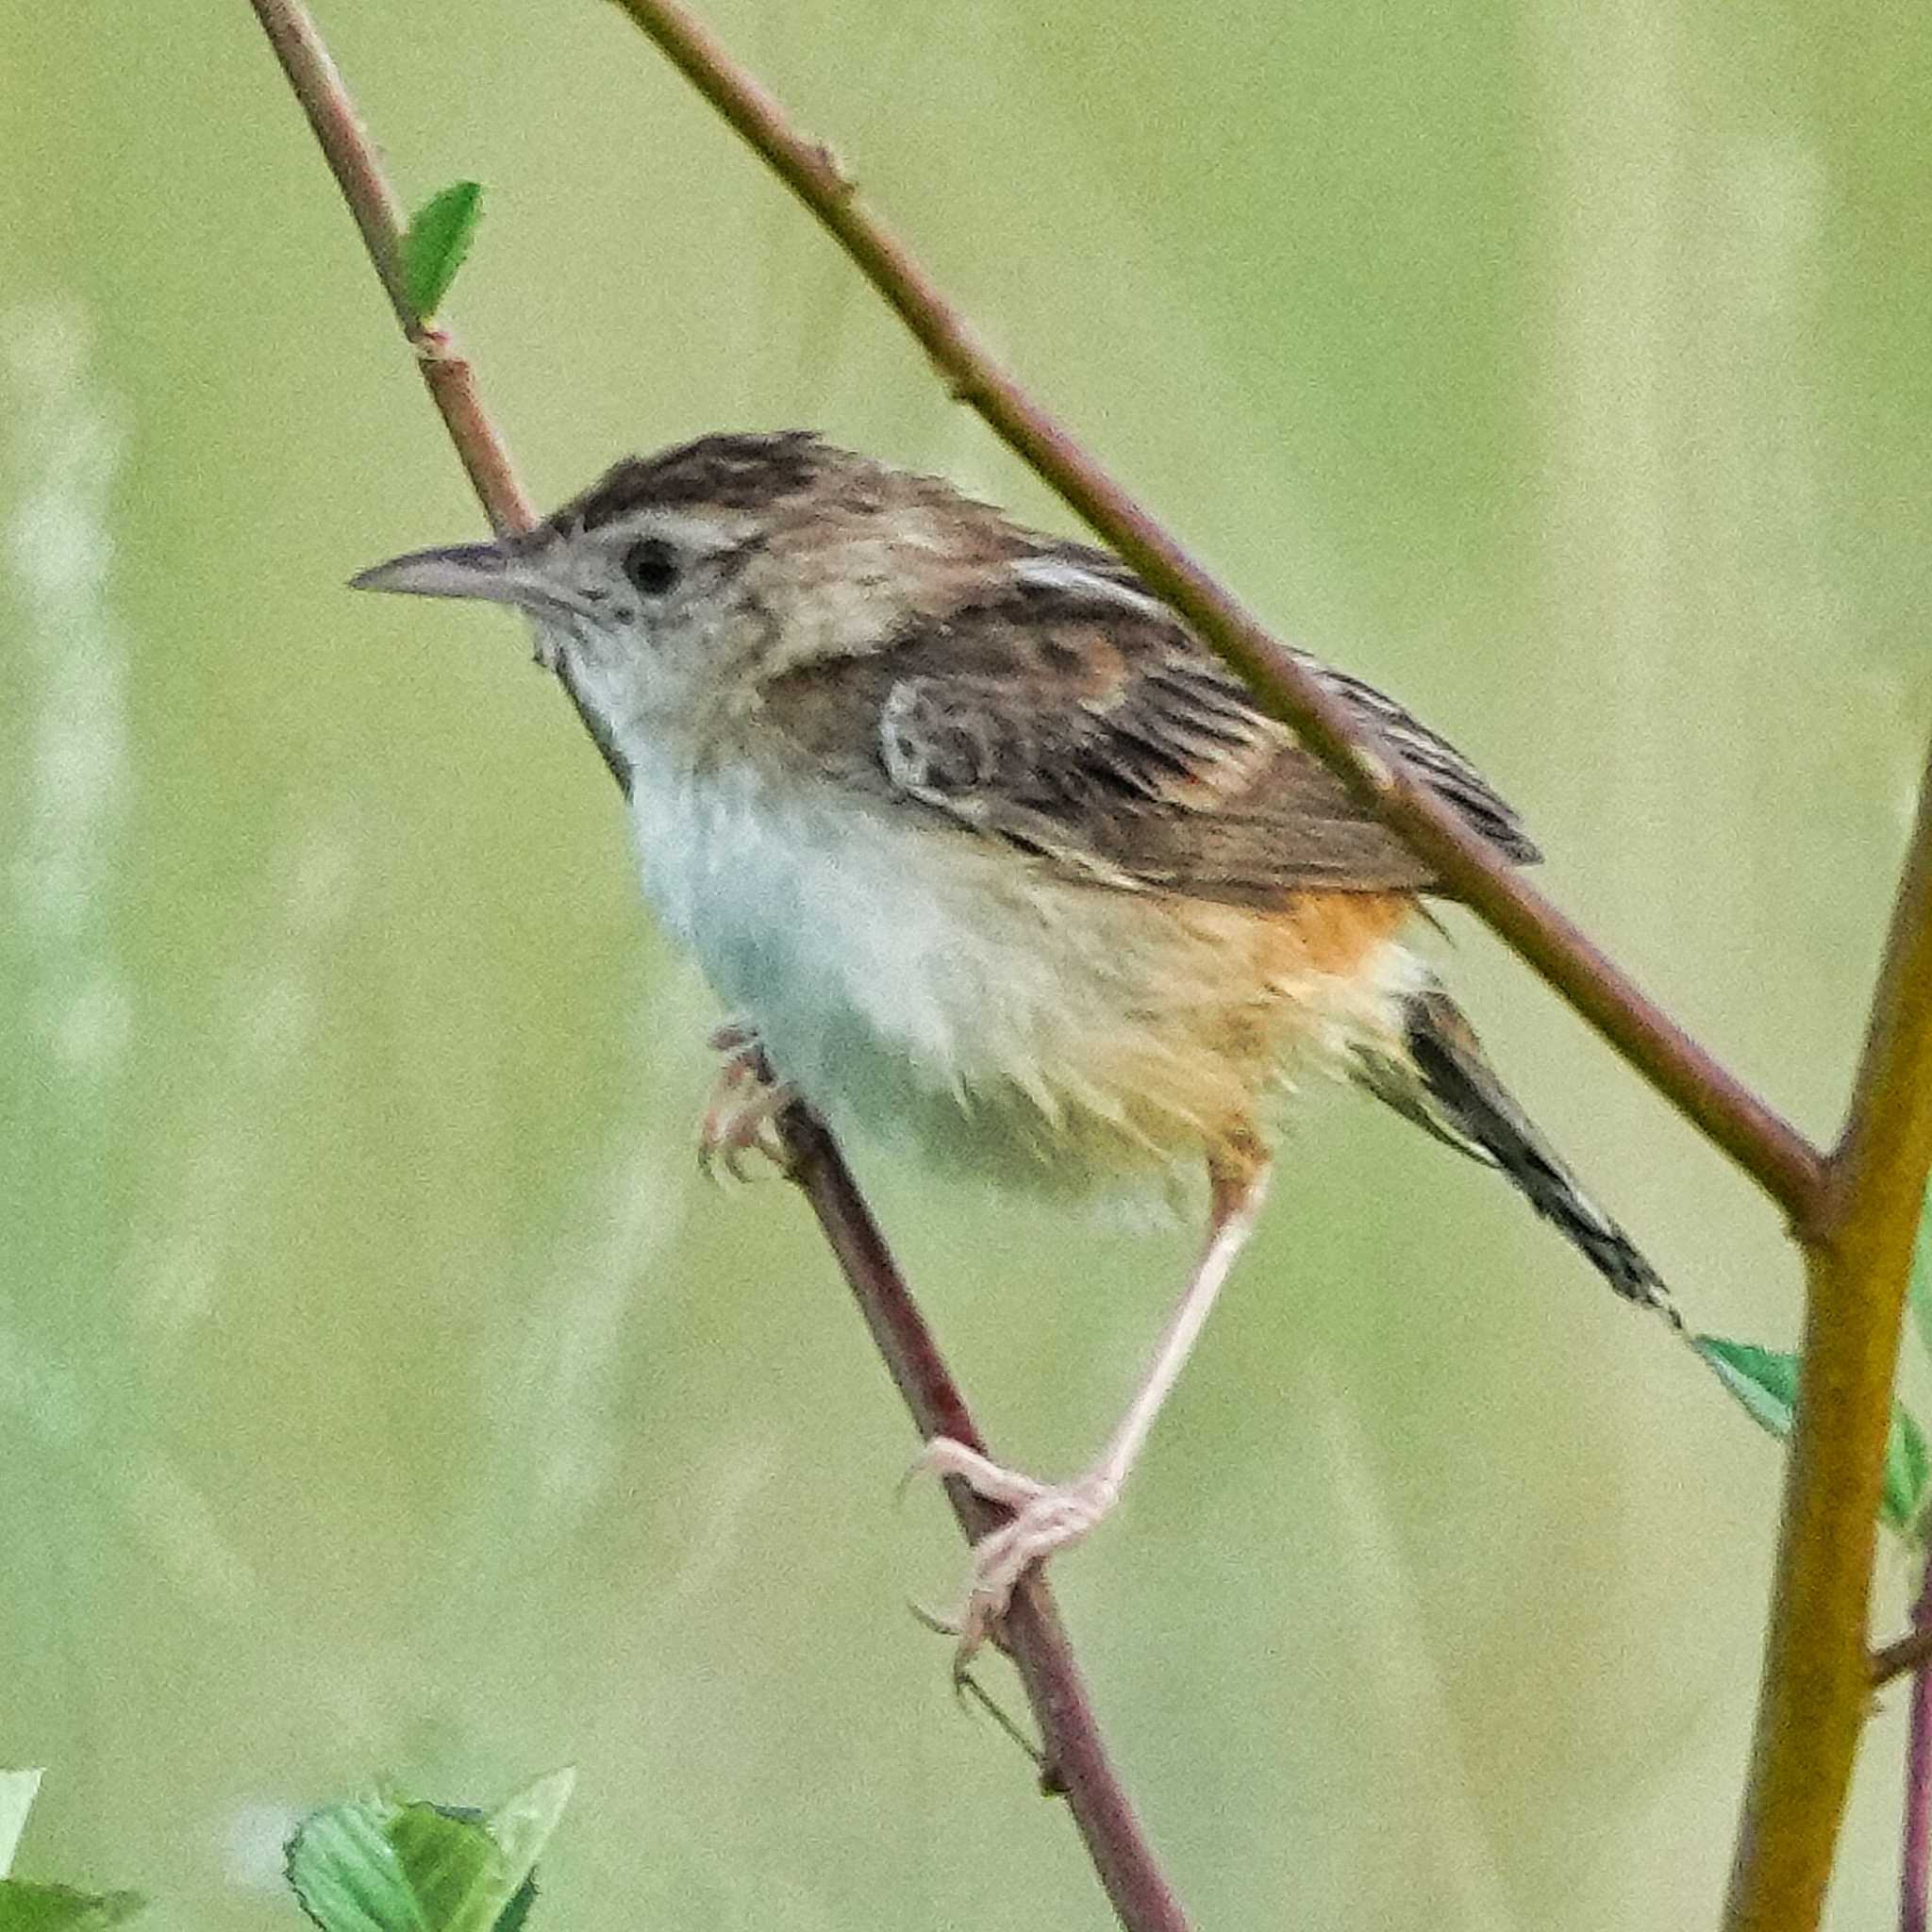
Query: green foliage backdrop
(378,1387)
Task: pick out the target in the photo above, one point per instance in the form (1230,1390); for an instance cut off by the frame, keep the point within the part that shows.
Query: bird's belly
(952,996)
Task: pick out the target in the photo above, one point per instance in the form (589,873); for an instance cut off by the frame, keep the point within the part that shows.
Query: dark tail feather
(1444,1084)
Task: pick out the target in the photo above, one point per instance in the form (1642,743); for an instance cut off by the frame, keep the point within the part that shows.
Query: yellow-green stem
(1817,1683)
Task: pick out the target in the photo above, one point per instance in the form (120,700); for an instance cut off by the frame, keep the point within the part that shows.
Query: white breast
(940,992)
(887,966)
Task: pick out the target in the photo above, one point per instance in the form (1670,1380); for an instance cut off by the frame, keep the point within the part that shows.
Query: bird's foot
(1047,1519)
(742,1117)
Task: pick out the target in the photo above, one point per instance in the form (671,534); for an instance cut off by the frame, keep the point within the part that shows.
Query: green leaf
(522,1823)
(1765,1382)
(386,1864)
(26,1907)
(454,1869)
(17,1792)
(437,241)
(1920,1291)
(345,1873)
(1906,1472)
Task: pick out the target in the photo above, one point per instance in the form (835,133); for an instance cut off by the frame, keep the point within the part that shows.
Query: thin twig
(1817,1675)
(1900,1657)
(1763,1143)
(1856,1214)
(380,221)
(1076,1760)
(1915,1858)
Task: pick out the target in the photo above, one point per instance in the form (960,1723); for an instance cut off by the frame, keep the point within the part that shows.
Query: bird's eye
(651,564)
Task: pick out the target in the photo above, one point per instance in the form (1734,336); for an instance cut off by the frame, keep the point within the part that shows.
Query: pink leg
(1051,1517)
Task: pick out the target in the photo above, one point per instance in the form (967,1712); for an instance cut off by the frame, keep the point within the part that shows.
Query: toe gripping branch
(742,1117)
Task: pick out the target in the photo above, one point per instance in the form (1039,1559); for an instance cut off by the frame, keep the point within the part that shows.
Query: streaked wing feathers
(1079,720)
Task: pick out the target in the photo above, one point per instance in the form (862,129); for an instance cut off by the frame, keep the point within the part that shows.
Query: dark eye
(651,564)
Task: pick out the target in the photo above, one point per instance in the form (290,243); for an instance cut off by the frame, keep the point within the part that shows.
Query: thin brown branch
(1076,1756)
(1857,1214)
(1768,1147)
(1817,1676)
(380,219)
(1915,1837)
(1899,1658)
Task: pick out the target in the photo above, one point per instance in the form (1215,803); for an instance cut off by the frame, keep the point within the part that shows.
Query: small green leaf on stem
(1764,1380)
(383,1864)
(436,243)
(1765,1383)
(1907,1469)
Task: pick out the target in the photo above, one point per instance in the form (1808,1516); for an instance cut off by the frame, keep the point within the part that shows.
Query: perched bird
(988,855)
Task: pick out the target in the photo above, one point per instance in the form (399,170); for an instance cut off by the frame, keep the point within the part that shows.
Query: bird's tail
(1441,1081)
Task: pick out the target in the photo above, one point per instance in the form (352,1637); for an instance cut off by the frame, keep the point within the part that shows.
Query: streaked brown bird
(987,853)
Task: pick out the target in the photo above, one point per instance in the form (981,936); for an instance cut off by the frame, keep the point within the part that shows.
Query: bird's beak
(484,570)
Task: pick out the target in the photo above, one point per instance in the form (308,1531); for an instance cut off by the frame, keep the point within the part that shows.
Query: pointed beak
(483,570)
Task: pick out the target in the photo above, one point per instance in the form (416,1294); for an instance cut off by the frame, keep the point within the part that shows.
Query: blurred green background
(379,1386)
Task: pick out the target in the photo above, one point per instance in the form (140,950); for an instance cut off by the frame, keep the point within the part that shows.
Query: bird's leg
(742,1113)
(1050,1517)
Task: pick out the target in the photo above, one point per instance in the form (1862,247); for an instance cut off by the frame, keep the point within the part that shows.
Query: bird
(988,855)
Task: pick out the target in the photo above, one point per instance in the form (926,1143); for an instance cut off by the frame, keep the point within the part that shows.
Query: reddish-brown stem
(1915,1860)
(1902,1655)
(380,219)
(1854,1214)
(1076,1760)
(1768,1147)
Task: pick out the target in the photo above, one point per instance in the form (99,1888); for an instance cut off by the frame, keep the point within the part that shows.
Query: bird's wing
(1073,716)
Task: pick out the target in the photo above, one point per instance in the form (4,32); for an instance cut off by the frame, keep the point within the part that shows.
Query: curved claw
(1047,1518)
(740,1118)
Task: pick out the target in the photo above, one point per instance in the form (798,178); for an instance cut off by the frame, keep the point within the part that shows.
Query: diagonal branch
(378,217)
(1855,1214)
(1768,1147)
(1077,1758)
(1031,1630)
(1817,1676)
